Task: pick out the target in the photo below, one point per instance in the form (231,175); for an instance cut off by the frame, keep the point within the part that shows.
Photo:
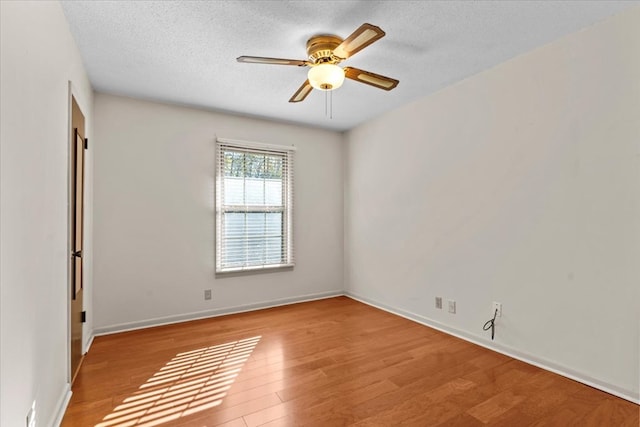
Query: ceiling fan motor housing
(320,49)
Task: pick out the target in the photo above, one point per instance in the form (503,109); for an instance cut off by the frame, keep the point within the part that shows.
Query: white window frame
(223,144)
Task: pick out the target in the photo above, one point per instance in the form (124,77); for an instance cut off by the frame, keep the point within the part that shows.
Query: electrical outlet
(439,302)
(207,294)
(452,306)
(496,306)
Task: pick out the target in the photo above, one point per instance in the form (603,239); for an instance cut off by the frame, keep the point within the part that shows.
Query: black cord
(491,324)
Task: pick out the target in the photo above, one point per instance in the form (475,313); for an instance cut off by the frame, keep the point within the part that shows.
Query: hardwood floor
(332,362)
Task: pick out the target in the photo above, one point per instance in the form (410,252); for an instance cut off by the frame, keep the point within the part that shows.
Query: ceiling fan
(325,52)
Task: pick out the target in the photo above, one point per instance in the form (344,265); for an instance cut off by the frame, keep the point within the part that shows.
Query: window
(254,206)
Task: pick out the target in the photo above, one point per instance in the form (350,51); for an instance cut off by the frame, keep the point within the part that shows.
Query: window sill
(253,270)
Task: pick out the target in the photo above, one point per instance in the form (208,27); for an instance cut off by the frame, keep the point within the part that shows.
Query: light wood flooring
(334,362)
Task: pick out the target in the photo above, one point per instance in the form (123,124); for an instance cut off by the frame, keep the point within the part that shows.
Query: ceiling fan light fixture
(326,76)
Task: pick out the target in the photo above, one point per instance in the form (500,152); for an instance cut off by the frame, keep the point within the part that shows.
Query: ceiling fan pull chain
(328,103)
(331,104)
(325,103)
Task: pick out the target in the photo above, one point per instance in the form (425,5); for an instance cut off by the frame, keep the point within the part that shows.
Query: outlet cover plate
(31,416)
(207,294)
(496,306)
(452,306)
(439,303)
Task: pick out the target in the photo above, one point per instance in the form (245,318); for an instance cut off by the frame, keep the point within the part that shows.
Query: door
(77,145)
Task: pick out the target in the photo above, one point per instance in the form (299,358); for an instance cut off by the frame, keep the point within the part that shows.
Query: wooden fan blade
(369,78)
(302,92)
(361,38)
(274,61)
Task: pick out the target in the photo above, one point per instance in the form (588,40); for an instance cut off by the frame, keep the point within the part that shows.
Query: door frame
(74,94)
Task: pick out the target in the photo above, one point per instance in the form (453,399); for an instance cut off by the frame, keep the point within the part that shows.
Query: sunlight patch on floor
(191,382)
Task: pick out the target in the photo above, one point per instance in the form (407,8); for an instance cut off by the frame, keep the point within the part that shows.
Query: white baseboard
(87,344)
(506,350)
(168,320)
(61,405)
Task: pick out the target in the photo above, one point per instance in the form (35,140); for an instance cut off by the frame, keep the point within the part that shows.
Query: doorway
(76,234)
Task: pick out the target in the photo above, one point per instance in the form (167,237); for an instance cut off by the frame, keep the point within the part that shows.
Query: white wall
(155,219)
(38,59)
(518,185)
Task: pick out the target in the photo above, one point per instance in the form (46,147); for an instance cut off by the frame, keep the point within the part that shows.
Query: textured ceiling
(185,51)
